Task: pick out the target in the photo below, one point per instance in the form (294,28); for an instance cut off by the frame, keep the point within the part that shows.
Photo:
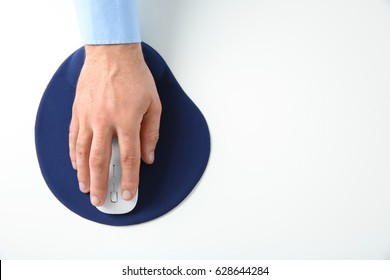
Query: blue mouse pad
(181,154)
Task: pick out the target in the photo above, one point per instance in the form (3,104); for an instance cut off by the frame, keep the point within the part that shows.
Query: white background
(297,97)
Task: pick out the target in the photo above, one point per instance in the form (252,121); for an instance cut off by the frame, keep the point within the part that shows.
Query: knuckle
(81,148)
(129,161)
(72,147)
(99,147)
(72,133)
(97,162)
(128,133)
(73,124)
(101,120)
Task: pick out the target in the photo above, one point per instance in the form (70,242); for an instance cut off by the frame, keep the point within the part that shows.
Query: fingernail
(74,165)
(151,156)
(82,187)
(126,195)
(95,201)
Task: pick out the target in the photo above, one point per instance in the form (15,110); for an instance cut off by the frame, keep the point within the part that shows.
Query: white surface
(114,203)
(297,97)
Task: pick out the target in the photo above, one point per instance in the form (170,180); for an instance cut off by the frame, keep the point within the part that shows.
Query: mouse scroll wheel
(114,197)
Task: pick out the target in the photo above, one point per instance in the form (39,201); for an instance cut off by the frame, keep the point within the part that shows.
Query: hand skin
(116,96)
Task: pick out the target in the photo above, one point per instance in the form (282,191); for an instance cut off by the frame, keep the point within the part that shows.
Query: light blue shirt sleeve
(108,21)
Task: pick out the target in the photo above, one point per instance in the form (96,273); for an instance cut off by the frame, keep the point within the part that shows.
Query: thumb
(149,134)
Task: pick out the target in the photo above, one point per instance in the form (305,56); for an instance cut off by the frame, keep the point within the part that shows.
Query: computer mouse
(114,203)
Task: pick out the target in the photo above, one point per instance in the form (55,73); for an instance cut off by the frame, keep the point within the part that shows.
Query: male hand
(115,97)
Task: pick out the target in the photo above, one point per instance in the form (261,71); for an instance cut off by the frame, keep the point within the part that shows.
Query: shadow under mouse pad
(181,155)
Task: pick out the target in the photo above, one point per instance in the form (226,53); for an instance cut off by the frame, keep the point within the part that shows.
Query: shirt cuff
(108,21)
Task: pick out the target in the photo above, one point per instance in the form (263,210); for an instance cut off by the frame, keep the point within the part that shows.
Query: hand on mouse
(115,97)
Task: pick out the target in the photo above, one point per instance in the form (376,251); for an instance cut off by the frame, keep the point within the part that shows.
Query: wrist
(130,53)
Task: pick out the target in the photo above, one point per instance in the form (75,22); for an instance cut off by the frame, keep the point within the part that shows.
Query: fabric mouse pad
(181,155)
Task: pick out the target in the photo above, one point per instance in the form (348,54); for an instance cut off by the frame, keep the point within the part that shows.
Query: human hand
(115,97)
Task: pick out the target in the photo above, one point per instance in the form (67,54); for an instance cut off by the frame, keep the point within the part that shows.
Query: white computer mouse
(114,204)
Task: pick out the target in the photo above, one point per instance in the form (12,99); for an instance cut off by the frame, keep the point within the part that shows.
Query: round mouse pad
(181,154)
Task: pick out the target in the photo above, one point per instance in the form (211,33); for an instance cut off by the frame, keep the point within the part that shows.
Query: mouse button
(114,197)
